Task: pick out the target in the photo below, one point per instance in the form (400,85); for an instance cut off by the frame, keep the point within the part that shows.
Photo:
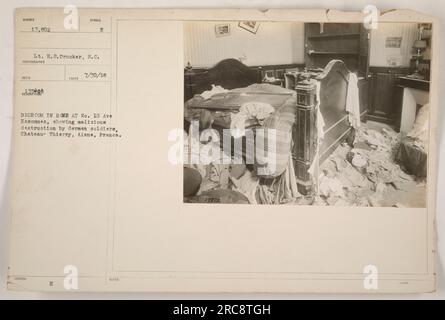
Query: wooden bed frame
(333,83)
(231,74)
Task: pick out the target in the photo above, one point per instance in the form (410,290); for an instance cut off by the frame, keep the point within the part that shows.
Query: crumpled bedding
(414,160)
(282,189)
(250,113)
(353,101)
(215,90)
(225,106)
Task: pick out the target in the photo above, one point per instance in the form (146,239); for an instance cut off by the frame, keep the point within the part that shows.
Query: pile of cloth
(413,151)
(213,91)
(235,182)
(250,114)
(265,181)
(217,181)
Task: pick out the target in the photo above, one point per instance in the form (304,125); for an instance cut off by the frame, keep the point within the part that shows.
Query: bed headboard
(333,90)
(228,73)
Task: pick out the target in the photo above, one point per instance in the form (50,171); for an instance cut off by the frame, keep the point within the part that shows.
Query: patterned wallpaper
(283,43)
(274,43)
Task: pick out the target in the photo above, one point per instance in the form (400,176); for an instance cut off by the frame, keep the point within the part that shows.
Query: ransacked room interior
(332,114)
(190,151)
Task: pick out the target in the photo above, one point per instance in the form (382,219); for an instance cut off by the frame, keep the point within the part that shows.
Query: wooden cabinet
(384,106)
(348,42)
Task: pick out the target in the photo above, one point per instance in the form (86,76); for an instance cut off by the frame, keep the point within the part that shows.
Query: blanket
(225,105)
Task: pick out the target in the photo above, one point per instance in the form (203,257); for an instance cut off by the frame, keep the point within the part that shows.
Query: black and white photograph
(323,114)
(234,152)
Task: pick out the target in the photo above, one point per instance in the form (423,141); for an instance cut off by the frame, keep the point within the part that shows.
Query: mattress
(222,106)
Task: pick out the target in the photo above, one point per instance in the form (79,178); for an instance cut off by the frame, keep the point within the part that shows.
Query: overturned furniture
(310,108)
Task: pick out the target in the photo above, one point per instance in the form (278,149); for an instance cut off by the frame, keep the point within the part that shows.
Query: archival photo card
(324,114)
(224,151)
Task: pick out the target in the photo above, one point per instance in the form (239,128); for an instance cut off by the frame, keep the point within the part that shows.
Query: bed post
(305,135)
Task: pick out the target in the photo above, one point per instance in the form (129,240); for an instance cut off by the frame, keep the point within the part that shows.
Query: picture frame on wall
(222,30)
(393,42)
(251,26)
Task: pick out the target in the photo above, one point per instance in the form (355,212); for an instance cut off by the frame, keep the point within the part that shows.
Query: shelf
(331,53)
(343,41)
(333,36)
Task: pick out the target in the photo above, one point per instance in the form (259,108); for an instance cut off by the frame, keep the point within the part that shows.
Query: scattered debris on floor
(366,173)
(361,172)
